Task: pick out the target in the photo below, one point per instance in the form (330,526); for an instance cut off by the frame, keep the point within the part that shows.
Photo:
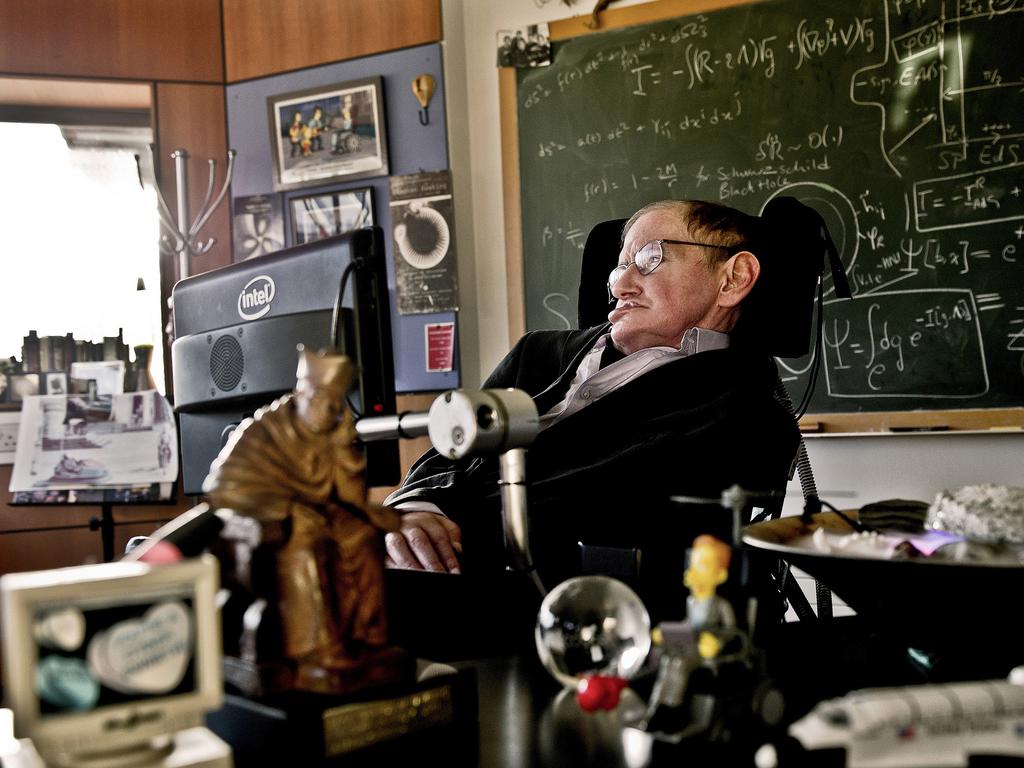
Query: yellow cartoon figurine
(710,615)
(688,646)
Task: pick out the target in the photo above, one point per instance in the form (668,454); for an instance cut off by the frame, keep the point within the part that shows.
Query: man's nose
(627,284)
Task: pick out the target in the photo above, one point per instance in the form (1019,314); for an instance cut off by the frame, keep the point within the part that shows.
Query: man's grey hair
(709,222)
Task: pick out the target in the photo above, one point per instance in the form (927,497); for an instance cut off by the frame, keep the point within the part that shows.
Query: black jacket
(605,475)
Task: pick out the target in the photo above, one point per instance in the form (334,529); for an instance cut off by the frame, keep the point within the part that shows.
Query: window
(78,232)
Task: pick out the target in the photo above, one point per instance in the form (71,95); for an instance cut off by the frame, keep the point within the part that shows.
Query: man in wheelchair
(672,396)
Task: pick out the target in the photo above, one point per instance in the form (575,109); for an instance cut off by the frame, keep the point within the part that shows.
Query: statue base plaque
(375,727)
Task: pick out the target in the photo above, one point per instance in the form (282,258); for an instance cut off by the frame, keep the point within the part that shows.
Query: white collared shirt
(593,382)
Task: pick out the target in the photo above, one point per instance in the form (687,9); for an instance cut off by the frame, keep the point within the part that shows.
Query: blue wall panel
(412,147)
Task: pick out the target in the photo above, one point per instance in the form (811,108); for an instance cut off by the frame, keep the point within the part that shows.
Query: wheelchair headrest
(794,243)
(600,255)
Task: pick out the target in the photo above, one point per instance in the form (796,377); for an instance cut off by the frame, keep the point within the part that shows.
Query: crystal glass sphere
(592,625)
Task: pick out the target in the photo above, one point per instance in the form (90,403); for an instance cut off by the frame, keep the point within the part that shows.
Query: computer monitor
(104,661)
(237,328)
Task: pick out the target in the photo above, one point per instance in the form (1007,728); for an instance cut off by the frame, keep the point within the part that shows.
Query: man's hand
(425,542)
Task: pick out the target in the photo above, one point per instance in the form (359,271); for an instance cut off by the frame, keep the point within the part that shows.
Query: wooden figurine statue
(293,468)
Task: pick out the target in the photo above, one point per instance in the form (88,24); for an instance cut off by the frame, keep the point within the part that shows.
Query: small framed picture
(526,47)
(328,133)
(258,225)
(315,217)
(56,383)
(100,377)
(24,385)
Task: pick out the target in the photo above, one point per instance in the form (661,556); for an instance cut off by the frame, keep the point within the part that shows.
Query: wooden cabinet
(264,37)
(114,39)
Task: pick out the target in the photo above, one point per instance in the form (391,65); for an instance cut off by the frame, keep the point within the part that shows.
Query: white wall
(853,470)
(850,471)
(471,77)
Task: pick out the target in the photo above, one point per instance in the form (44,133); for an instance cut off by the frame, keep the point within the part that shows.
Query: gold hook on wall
(423,86)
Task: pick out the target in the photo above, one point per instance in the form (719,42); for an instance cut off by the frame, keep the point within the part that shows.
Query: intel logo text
(254,300)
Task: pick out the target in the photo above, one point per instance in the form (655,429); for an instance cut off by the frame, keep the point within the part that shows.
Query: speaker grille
(227,363)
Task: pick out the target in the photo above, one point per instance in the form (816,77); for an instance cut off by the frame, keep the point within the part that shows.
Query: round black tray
(940,606)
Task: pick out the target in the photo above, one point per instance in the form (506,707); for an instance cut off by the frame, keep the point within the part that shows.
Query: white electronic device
(922,725)
(115,664)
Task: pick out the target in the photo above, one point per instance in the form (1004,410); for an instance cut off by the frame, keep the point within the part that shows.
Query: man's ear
(741,272)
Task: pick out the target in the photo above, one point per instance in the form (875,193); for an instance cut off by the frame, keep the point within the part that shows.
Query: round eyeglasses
(650,255)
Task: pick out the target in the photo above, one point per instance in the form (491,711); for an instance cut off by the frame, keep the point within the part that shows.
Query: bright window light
(78,231)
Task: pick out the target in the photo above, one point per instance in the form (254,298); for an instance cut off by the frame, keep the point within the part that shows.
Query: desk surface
(524,719)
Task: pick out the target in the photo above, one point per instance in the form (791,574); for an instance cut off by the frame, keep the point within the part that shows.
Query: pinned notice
(440,340)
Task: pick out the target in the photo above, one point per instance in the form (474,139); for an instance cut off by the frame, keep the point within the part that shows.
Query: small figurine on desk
(710,626)
(293,469)
(712,616)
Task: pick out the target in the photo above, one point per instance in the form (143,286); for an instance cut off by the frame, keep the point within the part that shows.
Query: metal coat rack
(184,241)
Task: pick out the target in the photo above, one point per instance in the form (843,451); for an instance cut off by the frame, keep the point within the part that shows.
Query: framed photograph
(328,133)
(526,47)
(56,383)
(315,217)
(24,385)
(99,377)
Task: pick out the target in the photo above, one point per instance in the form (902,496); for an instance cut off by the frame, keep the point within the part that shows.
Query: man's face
(316,407)
(657,309)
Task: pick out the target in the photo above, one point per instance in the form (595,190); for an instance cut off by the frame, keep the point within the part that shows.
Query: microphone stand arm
(474,423)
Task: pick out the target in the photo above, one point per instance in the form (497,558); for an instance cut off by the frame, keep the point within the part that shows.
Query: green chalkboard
(900,121)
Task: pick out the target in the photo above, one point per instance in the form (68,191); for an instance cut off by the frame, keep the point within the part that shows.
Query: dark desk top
(524,719)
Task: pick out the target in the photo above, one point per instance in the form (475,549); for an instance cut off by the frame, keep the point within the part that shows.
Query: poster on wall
(258,225)
(440,346)
(423,228)
(328,134)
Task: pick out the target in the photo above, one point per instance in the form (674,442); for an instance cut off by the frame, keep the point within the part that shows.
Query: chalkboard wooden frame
(832,422)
